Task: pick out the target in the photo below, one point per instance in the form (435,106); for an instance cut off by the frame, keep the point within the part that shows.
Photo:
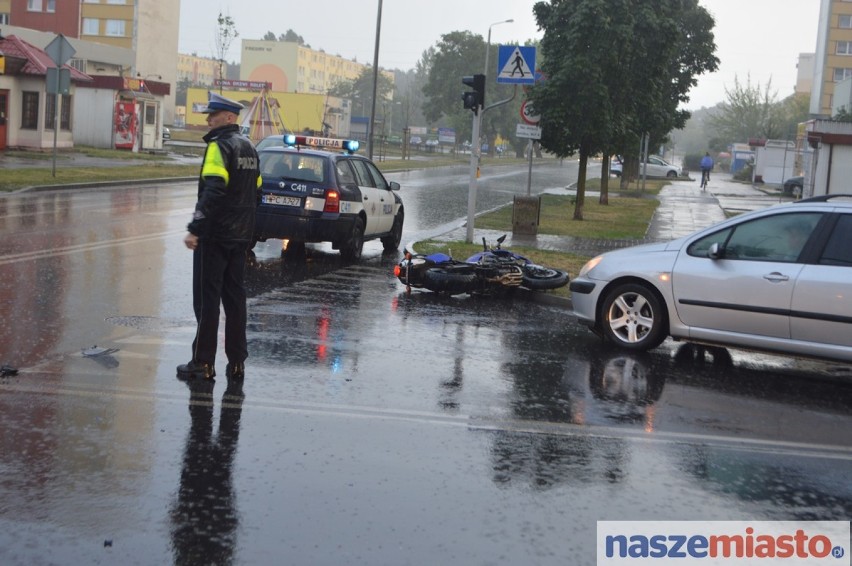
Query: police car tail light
(332,201)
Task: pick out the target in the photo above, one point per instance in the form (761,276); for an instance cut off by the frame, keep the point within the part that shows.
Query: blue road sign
(516,64)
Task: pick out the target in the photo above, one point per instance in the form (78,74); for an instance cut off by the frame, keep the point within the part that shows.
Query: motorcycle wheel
(450,282)
(540,278)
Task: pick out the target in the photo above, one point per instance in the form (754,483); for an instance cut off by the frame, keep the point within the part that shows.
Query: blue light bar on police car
(350,146)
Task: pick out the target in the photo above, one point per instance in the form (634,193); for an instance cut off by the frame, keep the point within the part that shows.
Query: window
(150,114)
(116,1)
(838,251)
(844,48)
(840,74)
(29,110)
(844,21)
(115,28)
(345,176)
(49,111)
(362,174)
(4,18)
(34,5)
(51,6)
(91,26)
(380,181)
(773,238)
(65,113)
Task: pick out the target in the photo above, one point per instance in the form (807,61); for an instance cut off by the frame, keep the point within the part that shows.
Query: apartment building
(199,70)
(291,67)
(833,54)
(149,29)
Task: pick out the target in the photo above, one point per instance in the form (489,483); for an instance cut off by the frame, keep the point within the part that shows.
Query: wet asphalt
(322,469)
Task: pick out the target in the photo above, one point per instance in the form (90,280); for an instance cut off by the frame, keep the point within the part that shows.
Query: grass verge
(40,176)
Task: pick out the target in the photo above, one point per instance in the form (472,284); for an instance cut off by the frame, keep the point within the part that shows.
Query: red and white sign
(528,114)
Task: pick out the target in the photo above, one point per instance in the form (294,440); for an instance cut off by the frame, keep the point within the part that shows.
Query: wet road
(375,427)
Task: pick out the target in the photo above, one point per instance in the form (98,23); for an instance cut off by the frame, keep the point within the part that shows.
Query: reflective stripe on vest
(214,165)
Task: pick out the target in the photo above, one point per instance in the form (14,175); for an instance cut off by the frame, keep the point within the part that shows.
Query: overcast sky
(760,38)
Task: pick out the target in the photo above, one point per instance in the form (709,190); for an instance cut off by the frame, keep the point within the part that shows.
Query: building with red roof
(28,113)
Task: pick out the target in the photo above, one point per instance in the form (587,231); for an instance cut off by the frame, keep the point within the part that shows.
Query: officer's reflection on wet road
(204,517)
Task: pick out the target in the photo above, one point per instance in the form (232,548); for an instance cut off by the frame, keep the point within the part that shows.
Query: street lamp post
(488,52)
(488,43)
(476,150)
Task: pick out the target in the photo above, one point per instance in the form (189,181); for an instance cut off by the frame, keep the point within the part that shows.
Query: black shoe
(235,371)
(195,369)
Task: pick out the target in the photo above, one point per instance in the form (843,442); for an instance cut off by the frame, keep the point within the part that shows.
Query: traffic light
(474,99)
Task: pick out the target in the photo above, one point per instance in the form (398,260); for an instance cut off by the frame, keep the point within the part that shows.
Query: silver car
(657,167)
(777,280)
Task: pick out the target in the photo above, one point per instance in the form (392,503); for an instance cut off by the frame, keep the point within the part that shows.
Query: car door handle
(776,277)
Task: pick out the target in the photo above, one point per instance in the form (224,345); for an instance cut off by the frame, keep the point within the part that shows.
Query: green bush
(692,161)
(744,174)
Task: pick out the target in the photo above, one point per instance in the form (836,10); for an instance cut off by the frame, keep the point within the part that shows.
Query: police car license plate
(282,200)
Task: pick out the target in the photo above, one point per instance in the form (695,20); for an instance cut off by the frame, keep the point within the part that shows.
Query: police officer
(219,235)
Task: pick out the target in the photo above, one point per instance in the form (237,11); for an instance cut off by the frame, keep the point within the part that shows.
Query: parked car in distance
(794,185)
(167,134)
(415,140)
(318,190)
(657,167)
(276,140)
(615,165)
(774,280)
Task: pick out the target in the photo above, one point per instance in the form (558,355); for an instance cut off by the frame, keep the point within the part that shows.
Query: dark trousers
(218,270)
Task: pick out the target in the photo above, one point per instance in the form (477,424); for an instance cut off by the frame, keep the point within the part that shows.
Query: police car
(317,190)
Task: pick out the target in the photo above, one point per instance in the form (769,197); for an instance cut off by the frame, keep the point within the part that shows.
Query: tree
(360,90)
(614,70)
(458,54)
(670,45)
(181,88)
(749,112)
(269,36)
(794,110)
(843,115)
(292,37)
(226,33)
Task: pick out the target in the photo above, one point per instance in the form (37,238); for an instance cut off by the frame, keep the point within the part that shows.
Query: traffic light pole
(475,150)
(475,154)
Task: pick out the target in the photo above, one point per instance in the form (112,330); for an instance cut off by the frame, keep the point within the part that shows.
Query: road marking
(77,248)
(470,422)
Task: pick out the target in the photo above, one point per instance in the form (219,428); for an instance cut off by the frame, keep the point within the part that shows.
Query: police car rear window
(292,166)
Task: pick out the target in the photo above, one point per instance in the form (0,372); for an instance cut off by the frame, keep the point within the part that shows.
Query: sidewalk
(65,159)
(684,208)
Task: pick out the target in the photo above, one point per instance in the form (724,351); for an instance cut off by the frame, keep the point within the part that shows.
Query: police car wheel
(392,240)
(351,249)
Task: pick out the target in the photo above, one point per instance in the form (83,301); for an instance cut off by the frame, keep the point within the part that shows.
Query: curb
(101,185)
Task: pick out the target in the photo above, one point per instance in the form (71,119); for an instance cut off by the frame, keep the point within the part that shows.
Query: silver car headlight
(590,265)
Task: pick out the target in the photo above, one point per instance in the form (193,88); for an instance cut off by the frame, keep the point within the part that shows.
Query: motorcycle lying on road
(491,271)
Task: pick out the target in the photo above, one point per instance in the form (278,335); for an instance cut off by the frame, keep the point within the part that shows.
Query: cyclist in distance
(706,167)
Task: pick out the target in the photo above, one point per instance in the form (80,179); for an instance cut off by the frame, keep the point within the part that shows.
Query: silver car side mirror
(715,251)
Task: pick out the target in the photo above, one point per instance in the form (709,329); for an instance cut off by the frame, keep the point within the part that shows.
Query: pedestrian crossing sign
(516,64)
